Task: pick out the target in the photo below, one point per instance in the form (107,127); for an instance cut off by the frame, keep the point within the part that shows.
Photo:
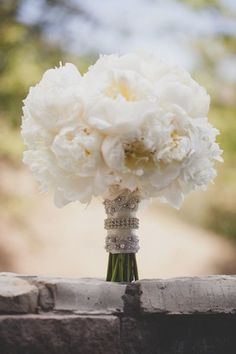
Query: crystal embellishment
(121,222)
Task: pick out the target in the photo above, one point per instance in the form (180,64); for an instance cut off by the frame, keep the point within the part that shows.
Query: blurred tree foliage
(199,4)
(24,56)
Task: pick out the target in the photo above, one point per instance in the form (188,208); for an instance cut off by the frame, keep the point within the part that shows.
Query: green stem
(115,269)
(109,268)
(135,268)
(128,269)
(122,267)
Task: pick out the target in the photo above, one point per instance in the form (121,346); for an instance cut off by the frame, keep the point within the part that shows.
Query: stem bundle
(122,267)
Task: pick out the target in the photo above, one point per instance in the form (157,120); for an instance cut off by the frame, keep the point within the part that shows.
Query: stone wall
(91,316)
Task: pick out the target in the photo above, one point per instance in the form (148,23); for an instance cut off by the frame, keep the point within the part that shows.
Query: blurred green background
(37,35)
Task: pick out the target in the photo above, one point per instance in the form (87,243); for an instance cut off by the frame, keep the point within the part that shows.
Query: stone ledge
(173,316)
(30,294)
(179,334)
(206,295)
(46,333)
(17,296)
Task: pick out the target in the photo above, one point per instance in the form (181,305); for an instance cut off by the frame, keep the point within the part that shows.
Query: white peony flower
(78,150)
(56,100)
(178,88)
(130,121)
(121,102)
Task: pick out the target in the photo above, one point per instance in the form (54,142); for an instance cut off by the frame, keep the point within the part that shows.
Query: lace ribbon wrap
(121,223)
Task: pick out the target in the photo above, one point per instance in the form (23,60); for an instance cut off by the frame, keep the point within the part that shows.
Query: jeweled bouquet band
(122,241)
(131,128)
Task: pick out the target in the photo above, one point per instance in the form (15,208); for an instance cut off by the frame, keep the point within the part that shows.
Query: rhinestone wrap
(121,222)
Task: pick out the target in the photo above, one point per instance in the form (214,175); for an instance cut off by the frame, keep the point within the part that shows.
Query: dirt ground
(36,237)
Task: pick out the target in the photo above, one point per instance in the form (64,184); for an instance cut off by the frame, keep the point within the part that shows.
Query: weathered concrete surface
(173,316)
(17,296)
(87,295)
(213,294)
(82,295)
(202,295)
(61,334)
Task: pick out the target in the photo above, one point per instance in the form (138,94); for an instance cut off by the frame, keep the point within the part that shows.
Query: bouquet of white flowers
(131,128)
